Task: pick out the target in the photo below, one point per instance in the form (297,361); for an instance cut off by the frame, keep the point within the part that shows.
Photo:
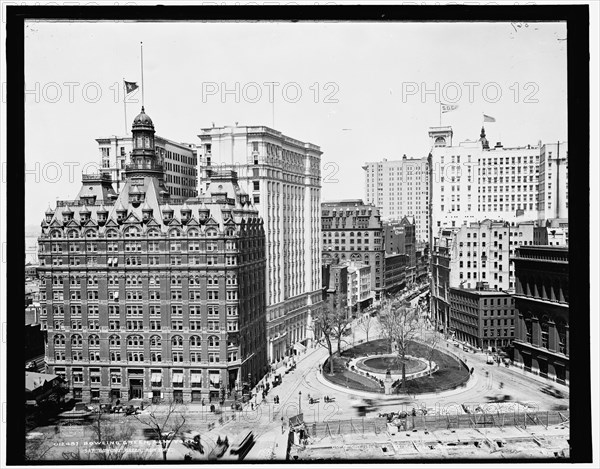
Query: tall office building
(473,181)
(400,188)
(145,297)
(283,177)
(553,197)
(352,231)
(179,162)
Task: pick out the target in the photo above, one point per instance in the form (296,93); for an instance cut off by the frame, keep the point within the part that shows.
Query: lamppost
(299,402)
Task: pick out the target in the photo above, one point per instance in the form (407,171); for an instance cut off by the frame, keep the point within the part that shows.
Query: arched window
(76,340)
(94,340)
(230,232)
(352,233)
(59,340)
(153,233)
(195,341)
(114,341)
(132,232)
(56,234)
(193,233)
(73,234)
(135,341)
(175,233)
(177,341)
(112,234)
(213,341)
(91,234)
(155,341)
(211,233)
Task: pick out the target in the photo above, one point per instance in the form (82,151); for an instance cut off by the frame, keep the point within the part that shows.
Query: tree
(432,343)
(165,420)
(330,324)
(400,324)
(365,324)
(112,439)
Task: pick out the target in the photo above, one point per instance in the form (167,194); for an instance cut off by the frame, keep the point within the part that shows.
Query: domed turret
(142,121)
(49,214)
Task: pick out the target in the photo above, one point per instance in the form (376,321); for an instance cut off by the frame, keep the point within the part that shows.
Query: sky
(362,92)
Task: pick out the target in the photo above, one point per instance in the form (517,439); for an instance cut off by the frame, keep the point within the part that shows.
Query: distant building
(542,300)
(440,281)
(179,162)
(422,264)
(41,388)
(557,232)
(335,286)
(282,175)
(481,252)
(396,266)
(352,231)
(482,317)
(360,291)
(553,196)
(399,238)
(474,180)
(401,189)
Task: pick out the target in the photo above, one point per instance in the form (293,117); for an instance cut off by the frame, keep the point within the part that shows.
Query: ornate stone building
(352,231)
(542,299)
(148,296)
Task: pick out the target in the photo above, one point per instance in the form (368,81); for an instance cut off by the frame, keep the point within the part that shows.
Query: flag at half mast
(130,86)
(487,118)
(448,107)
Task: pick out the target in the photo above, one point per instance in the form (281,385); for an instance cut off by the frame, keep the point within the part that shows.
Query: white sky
(369,64)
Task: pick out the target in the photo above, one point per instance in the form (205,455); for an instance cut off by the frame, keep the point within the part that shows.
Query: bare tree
(330,325)
(165,421)
(432,344)
(400,324)
(365,324)
(112,440)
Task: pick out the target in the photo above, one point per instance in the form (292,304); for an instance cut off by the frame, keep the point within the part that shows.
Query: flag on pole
(487,118)
(448,107)
(130,86)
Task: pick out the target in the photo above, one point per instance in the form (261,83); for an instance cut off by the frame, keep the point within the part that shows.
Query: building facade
(179,162)
(145,297)
(553,196)
(400,188)
(396,266)
(360,291)
(283,177)
(352,231)
(482,317)
(481,252)
(473,181)
(542,302)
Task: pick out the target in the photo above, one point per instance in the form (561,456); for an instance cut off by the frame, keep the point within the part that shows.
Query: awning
(94,372)
(196,377)
(157,377)
(215,377)
(177,377)
(299,347)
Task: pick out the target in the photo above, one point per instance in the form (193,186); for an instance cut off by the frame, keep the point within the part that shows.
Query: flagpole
(440,114)
(142,66)
(125,105)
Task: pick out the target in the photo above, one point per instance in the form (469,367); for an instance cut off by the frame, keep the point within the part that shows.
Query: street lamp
(299,402)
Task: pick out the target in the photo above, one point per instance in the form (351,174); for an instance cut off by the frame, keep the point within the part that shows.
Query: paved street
(269,421)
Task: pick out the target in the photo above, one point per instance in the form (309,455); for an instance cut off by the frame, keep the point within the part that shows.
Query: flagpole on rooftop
(142,65)
(125,105)
(440,113)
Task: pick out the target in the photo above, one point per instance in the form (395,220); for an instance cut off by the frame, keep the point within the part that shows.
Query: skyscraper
(283,177)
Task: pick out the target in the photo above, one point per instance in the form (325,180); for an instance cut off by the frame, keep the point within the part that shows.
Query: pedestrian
(252,404)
